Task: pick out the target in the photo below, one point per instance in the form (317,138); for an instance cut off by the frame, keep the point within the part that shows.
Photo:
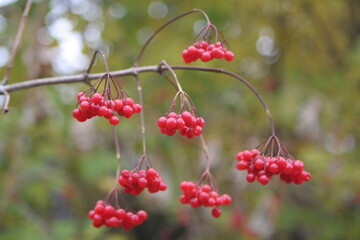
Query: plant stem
(206,152)
(118,154)
(7,99)
(136,63)
(17,42)
(93,61)
(174,75)
(139,90)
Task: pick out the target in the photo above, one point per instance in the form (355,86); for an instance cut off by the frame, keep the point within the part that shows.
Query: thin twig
(139,90)
(7,99)
(138,58)
(118,154)
(173,74)
(206,152)
(17,42)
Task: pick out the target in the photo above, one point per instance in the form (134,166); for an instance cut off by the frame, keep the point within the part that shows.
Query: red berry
(200,122)
(240,156)
(259,164)
(298,165)
(242,165)
(118,104)
(77,113)
(119,213)
(274,168)
(192,50)
(142,215)
(99,209)
(281,162)
(109,211)
(247,155)
(103,111)
(128,111)
(197,131)
(80,94)
(96,98)
(152,173)
(288,168)
(180,123)
(205,57)
(186,116)
(263,179)
(217,53)
(250,177)
(114,120)
(129,101)
(137,108)
(170,132)
(142,182)
(85,106)
(229,56)
(91,214)
(162,122)
(216,212)
(171,123)
(172,115)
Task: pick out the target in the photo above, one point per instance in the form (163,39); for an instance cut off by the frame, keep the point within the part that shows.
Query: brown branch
(17,42)
(134,71)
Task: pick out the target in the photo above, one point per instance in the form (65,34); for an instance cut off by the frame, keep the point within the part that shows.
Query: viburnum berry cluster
(197,196)
(268,159)
(110,216)
(208,45)
(262,165)
(92,103)
(136,181)
(188,123)
(206,51)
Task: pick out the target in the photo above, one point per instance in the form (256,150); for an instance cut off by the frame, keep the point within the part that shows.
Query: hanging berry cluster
(199,194)
(206,51)
(208,44)
(188,123)
(262,165)
(206,196)
(91,103)
(110,216)
(136,181)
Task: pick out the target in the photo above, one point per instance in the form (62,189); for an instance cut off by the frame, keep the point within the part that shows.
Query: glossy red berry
(216,212)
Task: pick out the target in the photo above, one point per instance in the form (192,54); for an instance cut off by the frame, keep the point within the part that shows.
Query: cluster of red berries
(136,182)
(105,214)
(98,105)
(263,168)
(187,124)
(206,52)
(197,196)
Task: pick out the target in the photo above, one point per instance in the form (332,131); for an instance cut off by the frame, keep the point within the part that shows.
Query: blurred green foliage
(303,57)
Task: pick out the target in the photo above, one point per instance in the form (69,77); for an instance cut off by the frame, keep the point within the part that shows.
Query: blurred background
(303,57)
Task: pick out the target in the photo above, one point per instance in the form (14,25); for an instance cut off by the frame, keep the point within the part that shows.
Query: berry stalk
(139,90)
(118,154)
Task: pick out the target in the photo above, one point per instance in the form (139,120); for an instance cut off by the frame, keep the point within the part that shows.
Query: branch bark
(131,71)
